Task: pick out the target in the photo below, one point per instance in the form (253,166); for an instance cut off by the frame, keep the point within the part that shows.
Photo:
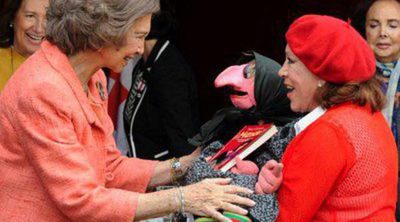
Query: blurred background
(212,34)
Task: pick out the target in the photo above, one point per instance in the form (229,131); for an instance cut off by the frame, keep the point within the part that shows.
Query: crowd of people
(335,101)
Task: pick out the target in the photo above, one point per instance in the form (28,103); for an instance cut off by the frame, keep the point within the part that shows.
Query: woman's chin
(294,107)
(116,69)
(297,108)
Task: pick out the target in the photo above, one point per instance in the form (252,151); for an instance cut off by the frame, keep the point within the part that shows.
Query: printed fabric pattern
(266,208)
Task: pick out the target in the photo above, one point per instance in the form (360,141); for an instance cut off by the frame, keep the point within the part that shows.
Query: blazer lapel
(60,63)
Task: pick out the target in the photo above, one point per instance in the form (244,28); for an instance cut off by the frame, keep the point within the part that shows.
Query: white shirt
(304,122)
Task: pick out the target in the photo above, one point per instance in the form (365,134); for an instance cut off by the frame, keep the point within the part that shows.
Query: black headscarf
(270,93)
(272,105)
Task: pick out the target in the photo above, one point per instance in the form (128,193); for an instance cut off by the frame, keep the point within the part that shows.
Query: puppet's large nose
(231,76)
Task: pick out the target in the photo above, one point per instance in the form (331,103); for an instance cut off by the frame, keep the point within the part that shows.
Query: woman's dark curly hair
(8,11)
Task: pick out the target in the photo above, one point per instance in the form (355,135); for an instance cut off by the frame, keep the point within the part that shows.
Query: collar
(155,53)
(59,61)
(304,122)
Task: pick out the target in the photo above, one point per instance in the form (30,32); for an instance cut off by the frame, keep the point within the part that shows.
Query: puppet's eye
(249,70)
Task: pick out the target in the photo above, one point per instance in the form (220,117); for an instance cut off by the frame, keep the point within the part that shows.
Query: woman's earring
(11,25)
(320,84)
(100,51)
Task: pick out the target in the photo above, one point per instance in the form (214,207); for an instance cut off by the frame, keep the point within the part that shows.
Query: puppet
(258,96)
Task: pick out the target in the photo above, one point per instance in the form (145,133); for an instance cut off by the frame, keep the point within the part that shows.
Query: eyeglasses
(249,70)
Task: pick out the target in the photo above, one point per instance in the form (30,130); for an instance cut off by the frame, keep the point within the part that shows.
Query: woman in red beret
(342,164)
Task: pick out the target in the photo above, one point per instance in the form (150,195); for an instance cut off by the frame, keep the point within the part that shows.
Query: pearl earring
(319,84)
(11,25)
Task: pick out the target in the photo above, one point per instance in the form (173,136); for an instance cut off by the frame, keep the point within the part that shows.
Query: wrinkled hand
(196,153)
(210,195)
(188,160)
(270,177)
(244,167)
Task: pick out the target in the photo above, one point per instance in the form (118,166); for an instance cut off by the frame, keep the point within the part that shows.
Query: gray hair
(78,25)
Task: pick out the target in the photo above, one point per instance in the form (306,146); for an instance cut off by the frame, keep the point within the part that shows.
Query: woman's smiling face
(29,26)
(117,57)
(301,83)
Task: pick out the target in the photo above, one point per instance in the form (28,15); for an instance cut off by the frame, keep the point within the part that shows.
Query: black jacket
(168,113)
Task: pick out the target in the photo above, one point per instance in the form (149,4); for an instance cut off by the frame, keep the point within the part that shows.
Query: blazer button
(109,176)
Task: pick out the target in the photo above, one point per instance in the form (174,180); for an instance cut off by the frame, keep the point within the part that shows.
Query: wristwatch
(176,169)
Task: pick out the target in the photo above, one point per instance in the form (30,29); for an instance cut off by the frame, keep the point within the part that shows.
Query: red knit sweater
(343,167)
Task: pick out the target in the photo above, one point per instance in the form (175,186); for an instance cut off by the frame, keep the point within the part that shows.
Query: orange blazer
(58,159)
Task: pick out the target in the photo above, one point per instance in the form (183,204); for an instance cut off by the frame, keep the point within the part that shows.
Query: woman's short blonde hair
(78,25)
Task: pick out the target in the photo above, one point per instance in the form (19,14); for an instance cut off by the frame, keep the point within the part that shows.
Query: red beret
(331,49)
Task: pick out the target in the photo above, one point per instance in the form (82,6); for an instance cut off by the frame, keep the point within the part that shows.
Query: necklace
(12,59)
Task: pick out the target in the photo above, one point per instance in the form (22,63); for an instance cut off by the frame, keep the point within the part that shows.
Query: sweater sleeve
(51,145)
(313,163)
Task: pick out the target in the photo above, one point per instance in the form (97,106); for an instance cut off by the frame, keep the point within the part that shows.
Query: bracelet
(177,200)
(176,170)
(173,176)
(182,200)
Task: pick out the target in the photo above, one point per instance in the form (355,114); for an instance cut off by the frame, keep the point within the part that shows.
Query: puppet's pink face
(241,82)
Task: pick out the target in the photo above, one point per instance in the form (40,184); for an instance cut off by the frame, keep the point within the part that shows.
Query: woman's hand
(270,177)
(244,167)
(196,153)
(188,160)
(163,172)
(210,195)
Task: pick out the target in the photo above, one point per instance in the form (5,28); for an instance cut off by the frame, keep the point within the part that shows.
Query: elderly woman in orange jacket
(58,160)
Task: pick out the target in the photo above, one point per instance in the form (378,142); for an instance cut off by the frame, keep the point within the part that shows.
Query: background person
(161,111)
(62,164)
(379,21)
(22,29)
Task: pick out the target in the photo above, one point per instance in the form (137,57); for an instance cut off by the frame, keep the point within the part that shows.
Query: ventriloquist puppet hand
(270,177)
(244,167)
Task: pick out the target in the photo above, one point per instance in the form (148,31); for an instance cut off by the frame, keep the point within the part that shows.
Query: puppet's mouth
(232,91)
